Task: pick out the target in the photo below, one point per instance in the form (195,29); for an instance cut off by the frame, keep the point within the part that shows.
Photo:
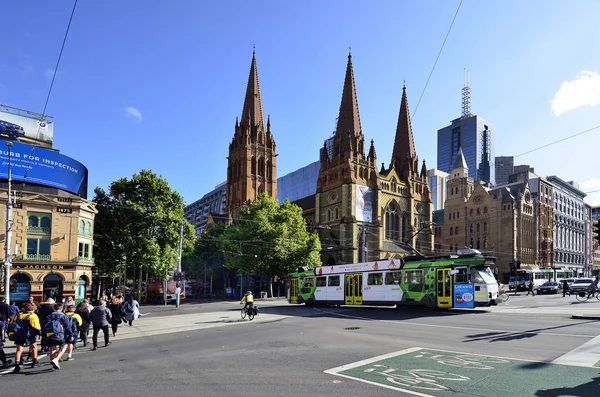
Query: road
(207,350)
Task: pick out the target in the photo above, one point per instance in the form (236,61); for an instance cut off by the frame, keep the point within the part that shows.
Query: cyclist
(593,287)
(248,299)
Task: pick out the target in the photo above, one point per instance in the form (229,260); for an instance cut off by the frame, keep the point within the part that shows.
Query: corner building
(363,213)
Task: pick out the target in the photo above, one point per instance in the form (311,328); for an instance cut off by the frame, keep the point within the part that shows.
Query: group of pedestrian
(59,326)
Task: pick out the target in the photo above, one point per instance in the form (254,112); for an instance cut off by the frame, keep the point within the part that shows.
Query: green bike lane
(431,372)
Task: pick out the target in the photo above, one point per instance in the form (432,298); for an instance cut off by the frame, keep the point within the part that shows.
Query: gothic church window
(485,210)
(451,231)
(485,227)
(269,169)
(261,166)
(253,165)
(477,227)
(471,228)
(471,212)
(392,222)
(456,230)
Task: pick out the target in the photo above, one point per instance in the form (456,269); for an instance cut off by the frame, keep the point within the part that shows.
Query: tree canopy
(269,238)
(138,225)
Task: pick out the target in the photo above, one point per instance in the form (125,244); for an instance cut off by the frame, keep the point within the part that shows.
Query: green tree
(270,239)
(138,225)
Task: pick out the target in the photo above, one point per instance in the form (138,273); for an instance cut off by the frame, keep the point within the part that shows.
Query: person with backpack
(57,329)
(132,310)
(118,314)
(23,329)
(46,309)
(100,319)
(4,316)
(75,324)
(86,320)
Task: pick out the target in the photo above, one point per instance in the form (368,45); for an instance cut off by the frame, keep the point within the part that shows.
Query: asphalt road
(288,353)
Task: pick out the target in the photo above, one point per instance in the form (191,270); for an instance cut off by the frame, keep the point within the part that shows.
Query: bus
(540,276)
(388,282)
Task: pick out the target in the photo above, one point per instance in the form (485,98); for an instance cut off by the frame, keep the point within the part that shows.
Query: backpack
(18,329)
(73,324)
(53,328)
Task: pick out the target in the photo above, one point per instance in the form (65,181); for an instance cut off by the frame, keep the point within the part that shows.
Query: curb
(584,317)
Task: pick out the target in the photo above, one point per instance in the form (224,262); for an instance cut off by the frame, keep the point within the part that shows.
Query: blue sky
(158,84)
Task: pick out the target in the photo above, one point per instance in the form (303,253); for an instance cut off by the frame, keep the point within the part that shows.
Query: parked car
(581,284)
(549,287)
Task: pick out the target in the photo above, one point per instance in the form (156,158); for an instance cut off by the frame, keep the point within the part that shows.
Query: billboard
(464,296)
(363,203)
(34,164)
(23,124)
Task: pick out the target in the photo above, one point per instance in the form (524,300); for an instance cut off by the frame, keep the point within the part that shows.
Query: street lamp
(7,263)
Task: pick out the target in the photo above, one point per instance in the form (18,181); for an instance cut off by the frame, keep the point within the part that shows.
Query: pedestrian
(75,325)
(118,314)
(33,301)
(4,316)
(531,288)
(27,329)
(565,287)
(68,301)
(100,319)
(58,331)
(132,310)
(3,358)
(89,305)
(46,309)
(86,320)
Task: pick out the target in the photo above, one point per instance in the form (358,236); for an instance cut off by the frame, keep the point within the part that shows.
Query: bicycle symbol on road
(423,379)
(463,360)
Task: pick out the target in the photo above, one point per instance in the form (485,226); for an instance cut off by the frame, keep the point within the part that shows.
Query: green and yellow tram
(422,281)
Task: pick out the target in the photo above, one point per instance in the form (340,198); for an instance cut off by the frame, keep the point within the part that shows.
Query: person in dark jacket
(565,286)
(34,302)
(86,320)
(46,309)
(118,314)
(4,316)
(100,319)
(56,350)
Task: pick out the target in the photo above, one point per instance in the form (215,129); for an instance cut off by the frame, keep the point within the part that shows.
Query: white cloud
(133,112)
(584,90)
(591,185)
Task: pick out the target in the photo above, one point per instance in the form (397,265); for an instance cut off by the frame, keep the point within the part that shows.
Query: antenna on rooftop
(466,96)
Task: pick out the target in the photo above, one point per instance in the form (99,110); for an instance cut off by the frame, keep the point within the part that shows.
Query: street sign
(179,276)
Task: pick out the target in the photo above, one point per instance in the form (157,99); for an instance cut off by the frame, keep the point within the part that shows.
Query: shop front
(43,281)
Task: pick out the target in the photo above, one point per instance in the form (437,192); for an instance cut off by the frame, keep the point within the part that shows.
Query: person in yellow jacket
(68,347)
(32,322)
(248,298)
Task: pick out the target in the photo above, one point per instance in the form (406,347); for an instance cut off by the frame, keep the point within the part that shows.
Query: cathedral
(363,212)
(251,164)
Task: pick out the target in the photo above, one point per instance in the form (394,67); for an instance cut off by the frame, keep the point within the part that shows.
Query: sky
(148,84)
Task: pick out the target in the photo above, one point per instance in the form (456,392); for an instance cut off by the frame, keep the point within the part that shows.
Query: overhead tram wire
(436,60)
(62,47)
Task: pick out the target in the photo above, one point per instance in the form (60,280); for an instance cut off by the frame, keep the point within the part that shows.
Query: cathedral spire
(252,114)
(348,120)
(404,145)
(372,155)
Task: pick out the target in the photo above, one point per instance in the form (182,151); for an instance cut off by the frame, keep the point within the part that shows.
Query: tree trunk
(270,285)
(140,285)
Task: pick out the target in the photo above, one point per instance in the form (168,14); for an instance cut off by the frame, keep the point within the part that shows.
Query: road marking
(457,327)
(586,355)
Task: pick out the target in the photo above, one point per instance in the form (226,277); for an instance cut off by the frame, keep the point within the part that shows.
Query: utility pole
(178,284)
(7,263)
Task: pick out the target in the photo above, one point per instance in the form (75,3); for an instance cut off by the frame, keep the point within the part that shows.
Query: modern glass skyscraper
(476,137)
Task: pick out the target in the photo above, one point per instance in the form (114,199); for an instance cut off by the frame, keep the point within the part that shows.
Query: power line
(436,60)
(560,140)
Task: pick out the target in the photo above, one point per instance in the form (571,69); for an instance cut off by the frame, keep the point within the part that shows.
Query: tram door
(444,288)
(353,289)
(294,291)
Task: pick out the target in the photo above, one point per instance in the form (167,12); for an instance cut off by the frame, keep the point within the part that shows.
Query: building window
(253,165)
(337,213)
(471,212)
(38,249)
(451,231)
(478,211)
(485,210)
(39,223)
(471,228)
(392,222)
(456,230)
(478,245)
(84,250)
(485,227)
(477,227)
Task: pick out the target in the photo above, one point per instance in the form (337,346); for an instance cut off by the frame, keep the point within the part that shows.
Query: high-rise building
(298,184)
(437,185)
(211,203)
(251,168)
(504,166)
(476,138)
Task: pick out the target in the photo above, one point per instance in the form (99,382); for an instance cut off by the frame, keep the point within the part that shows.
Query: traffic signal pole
(178,283)
(7,263)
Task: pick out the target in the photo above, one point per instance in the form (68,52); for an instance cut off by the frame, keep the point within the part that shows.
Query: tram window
(321,281)
(462,276)
(392,278)
(413,277)
(309,282)
(375,279)
(476,277)
(334,281)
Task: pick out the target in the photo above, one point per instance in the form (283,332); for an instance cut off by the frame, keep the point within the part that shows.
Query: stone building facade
(53,236)
(363,213)
(251,165)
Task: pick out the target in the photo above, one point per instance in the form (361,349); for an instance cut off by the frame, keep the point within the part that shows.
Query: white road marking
(586,355)
(508,331)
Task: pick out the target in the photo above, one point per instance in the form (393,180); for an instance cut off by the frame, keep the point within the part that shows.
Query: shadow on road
(504,336)
(590,388)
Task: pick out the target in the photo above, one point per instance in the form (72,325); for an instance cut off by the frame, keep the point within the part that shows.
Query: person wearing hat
(46,309)
(249,299)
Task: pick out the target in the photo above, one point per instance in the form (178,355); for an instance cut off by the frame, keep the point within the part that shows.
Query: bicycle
(249,311)
(503,295)
(583,296)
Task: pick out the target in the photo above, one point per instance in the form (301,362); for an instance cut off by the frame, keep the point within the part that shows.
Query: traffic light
(513,270)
